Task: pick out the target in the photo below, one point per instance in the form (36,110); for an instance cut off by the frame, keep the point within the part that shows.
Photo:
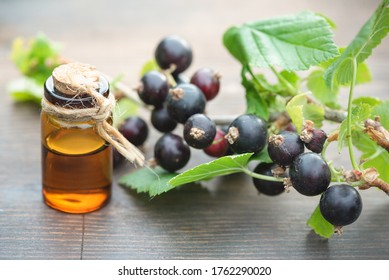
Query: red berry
(219,146)
(208,81)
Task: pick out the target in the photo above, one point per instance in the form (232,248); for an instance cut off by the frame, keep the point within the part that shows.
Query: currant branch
(377,132)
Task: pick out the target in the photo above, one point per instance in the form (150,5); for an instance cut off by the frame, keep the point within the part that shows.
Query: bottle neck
(81,101)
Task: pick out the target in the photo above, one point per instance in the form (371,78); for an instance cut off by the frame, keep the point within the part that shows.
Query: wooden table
(220,219)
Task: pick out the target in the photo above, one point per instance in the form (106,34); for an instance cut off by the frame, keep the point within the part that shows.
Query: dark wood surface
(220,219)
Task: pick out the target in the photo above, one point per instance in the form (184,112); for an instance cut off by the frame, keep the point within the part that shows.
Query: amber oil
(76,161)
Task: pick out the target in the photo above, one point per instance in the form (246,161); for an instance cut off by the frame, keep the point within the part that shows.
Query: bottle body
(76,163)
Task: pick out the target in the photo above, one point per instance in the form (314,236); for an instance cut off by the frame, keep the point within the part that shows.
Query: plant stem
(260,176)
(248,67)
(349,117)
(293,91)
(334,172)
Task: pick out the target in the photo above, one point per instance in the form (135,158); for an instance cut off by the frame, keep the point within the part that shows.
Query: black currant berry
(174,50)
(154,88)
(219,146)
(247,133)
(310,174)
(208,81)
(199,131)
(184,101)
(341,205)
(161,120)
(264,186)
(317,139)
(135,130)
(284,147)
(171,153)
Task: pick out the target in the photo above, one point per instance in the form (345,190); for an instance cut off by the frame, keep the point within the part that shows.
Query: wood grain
(220,219)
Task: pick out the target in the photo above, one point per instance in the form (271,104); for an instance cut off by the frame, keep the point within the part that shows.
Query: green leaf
(295,112)
(291,77)
(320,91)
(292,42)
(218,167)
(37,58)
(300,110)
(359,114)
(262,156)
(148,66)
(372,101)
(25,89)
(314,113)
(124,108)
(372,154)
(320,225)
(363,74)
(370,36)
(329,96)
(329,21)
(382,110)
(146,180)
(255,104)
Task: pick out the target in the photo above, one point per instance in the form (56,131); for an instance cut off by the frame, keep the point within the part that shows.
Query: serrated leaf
(359,114)
(372,154)
(329,21)
(218,167)
(36,58)
(293,42)
(146,180)
(300,110)
(372,101)
(370,36)
(320,225)
(25,89)
(329,96)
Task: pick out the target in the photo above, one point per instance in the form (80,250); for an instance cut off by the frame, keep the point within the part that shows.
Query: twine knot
(74,79)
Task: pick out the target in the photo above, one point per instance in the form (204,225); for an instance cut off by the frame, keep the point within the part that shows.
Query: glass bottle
(76,161)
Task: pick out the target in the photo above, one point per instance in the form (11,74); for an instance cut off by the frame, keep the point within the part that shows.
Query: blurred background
(120,36)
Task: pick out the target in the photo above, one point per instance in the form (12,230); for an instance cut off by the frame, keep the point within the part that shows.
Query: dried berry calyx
(313,138)
(199,131)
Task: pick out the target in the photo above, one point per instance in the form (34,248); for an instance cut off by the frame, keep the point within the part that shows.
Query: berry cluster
(178,100)
(308,173)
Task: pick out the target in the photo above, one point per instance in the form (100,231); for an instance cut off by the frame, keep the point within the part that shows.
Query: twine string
(99,114)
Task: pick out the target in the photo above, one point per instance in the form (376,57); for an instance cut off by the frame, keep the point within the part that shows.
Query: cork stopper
(76,78)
